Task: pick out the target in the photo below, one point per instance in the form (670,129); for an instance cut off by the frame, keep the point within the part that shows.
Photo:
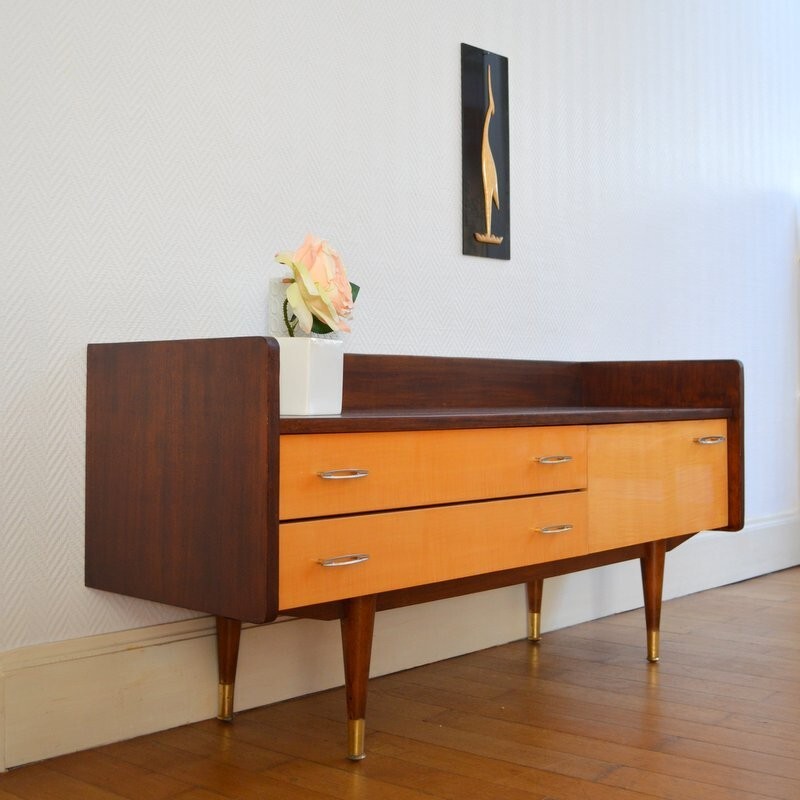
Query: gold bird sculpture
(488,171)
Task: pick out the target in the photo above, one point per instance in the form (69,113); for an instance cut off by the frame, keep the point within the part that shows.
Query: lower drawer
(419,546)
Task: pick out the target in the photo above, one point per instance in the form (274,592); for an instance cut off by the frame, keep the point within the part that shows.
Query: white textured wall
(154,155)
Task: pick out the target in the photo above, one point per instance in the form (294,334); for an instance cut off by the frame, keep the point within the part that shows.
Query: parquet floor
(582,715)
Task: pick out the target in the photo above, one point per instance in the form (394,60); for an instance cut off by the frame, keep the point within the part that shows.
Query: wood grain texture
(653,480)
(426,545)
(184,476)
(427,419)
(229,632)
(403,382)
(182,468)
(420,397)
(679,384)
(420,468)
(441,590)
(181,439)
(652,569)
(357,627)
(579,716)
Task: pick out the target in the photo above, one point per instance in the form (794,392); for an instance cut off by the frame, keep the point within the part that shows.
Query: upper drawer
(419,468)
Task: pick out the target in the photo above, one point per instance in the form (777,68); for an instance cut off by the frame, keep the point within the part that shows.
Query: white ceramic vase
(311,375)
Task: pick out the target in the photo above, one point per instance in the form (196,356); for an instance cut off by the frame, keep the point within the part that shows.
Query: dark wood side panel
(182,438)
(679,384)
(419,382)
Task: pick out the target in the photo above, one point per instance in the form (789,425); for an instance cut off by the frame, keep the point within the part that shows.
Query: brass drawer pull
(343,474)
(710,440)
(564,528)
(344,561)
(554,459)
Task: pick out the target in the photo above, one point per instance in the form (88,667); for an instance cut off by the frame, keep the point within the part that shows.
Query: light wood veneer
(427,545)
(421,468)
(654,480)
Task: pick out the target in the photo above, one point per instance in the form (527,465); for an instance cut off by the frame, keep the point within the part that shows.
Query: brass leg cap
(225,702)
(534,626)
(652,646)
(355,739)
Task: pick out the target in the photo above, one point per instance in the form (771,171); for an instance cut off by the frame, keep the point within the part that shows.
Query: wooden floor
(582,715)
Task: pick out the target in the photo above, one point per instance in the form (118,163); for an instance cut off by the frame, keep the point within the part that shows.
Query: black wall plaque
(484,153)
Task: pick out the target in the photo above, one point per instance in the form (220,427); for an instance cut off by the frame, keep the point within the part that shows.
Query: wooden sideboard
(441,477)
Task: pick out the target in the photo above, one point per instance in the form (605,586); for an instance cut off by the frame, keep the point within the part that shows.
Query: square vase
(311,375)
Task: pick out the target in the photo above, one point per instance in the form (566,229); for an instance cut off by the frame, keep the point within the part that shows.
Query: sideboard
(441,477)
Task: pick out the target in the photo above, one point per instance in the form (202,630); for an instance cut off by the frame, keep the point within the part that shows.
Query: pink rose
(325,268)
(320,289)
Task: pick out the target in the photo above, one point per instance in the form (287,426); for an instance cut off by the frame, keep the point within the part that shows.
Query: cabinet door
(655,480)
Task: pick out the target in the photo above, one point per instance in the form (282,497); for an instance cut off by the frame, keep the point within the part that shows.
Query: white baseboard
(67,696)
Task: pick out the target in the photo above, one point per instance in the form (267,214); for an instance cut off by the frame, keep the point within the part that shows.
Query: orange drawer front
(655,480)
(419,546)
(373,471)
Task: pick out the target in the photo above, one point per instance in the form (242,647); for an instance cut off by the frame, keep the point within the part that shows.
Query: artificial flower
(320,296)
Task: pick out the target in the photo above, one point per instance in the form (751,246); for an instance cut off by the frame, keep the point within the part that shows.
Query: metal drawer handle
(710,440)
(344,561)
(554,459)
(564,528)
(343,474)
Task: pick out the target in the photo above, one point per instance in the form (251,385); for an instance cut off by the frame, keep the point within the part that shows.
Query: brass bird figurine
(488,172)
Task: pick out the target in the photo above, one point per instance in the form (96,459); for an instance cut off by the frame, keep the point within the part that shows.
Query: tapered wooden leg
(228,634)
(535,609)
(652,584)
(357,626)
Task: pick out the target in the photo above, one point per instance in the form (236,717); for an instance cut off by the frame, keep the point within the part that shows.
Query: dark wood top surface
(422,419)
